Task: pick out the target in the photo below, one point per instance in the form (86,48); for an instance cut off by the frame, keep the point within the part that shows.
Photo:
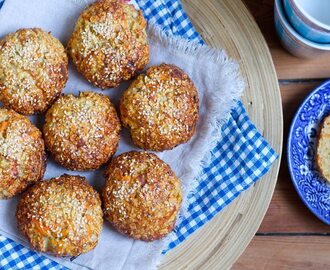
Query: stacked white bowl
(303,26)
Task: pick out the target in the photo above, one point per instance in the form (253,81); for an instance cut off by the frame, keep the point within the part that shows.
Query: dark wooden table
(290,237)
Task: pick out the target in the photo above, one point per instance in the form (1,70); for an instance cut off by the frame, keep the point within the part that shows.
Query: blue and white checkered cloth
(241,157)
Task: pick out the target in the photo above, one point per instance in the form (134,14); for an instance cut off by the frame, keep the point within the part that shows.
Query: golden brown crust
(82,132)
(160,108)
(323,149)
(22,153)
(109,43)
(33,70)
(61,216)
(142,196)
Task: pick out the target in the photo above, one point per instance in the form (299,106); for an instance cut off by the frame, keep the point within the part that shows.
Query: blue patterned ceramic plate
(302,141)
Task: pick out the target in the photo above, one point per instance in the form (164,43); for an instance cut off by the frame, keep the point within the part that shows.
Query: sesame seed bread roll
(142,196)
(61,216)
(33,70)
(323,149)
(160,108)
(82,132)
(22,153)
(109,43)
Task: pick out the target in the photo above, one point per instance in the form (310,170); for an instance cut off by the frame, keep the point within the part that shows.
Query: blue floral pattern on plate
(302,143)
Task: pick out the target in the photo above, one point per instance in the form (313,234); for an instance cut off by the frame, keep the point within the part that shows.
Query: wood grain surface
(286,253)
(228,24)
(290,236)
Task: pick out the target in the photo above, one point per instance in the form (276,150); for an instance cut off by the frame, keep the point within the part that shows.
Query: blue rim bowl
(292,40)
(313,190)
(305,24)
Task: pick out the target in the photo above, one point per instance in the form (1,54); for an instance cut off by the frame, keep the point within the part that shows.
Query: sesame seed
(109,43)
(140,196)
(83,130)
(33,70)
(160,108)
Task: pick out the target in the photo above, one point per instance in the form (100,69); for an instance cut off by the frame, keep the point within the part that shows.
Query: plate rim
(289,155)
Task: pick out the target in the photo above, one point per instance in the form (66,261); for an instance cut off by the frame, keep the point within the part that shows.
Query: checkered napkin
(240,158)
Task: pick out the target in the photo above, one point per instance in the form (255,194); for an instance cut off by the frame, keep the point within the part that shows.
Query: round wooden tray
(228,24)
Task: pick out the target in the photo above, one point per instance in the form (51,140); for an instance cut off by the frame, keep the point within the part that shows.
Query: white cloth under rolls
(219,84)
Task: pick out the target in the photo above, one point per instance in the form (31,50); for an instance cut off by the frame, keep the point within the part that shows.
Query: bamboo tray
(228,24)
